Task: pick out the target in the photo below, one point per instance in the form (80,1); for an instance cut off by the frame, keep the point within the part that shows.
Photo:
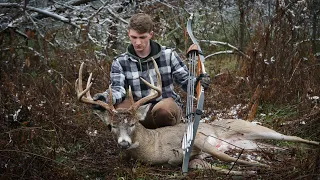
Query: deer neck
(143,136)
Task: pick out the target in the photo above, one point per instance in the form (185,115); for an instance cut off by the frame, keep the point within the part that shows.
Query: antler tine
(157,89)
(88,99)
(89,84)
(111,100)
(78,84)
(130,96)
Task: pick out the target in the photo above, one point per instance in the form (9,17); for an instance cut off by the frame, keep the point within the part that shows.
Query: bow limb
(194,52)
(195,48)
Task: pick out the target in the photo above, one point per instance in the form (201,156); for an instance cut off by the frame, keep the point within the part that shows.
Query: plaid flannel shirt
(127,69)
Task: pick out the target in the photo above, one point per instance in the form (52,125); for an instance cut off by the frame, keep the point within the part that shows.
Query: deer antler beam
(88,99)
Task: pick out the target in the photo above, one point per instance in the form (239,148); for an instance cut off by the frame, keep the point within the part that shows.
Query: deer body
(164,145)
(158,146)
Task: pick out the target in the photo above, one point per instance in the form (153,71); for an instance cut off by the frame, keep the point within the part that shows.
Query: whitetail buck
(163,145)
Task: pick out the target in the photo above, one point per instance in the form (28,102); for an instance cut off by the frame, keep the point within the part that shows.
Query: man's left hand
(205,81)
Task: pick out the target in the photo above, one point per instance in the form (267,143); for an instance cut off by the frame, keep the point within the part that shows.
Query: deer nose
(124,144)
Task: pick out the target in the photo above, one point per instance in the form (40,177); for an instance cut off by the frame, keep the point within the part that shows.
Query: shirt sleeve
(180,71)
(117,79)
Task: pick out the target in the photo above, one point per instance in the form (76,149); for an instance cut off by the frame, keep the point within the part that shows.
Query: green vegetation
(272,113)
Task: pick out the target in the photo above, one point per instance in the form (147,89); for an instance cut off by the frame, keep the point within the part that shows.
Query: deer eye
(109,127)
(131,125)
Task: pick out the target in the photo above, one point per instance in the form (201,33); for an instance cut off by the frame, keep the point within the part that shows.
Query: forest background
(263,58)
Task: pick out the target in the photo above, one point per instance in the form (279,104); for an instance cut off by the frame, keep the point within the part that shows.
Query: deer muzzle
(124,144)
(124,141)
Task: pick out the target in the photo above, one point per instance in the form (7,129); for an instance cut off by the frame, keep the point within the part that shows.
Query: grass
(221,63)
(272,113)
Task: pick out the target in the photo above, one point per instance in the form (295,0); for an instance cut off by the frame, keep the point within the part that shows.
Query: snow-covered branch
(116,16)
(226,44)
(306,40)
(41,11)
(79,2)
(220,52)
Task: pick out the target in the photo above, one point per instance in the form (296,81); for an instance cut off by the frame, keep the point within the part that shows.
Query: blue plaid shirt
(127,69)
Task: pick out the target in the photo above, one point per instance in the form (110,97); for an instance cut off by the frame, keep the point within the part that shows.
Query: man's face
(139,41)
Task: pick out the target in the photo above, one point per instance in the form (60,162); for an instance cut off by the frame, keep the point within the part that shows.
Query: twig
(26,169)
(294,71)
(24,128)
(235,162)
(37,155)
(21,33)
(95,13)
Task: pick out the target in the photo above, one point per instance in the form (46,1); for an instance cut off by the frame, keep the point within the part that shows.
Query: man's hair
(141,22)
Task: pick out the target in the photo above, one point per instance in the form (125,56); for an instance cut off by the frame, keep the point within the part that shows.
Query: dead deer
(163,145)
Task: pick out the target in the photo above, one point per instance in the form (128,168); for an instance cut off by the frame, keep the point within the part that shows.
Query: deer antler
(88,99)
(156,90)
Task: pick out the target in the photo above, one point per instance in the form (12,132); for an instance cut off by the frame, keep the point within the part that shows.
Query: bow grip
(194,49)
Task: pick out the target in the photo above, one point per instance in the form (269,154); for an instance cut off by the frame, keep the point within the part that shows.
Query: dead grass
(47,134)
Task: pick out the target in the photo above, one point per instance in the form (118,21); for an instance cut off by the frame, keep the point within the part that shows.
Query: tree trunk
(241,24)
(314,25)
(241,30)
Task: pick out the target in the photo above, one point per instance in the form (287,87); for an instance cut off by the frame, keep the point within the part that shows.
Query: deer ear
(142,111)
(103,115)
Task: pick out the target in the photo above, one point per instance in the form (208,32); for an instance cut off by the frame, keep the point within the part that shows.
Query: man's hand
(101,97)
(205,81)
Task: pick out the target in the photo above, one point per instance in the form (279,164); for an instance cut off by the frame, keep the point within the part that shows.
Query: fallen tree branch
(65,5)
(41,11)
(116,16)
(226,44)
(78,2)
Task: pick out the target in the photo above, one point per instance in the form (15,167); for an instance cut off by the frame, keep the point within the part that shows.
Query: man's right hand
(100,97)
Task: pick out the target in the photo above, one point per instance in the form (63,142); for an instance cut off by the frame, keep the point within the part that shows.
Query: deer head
(122,121)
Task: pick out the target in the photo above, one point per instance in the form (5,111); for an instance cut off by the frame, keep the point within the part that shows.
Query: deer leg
(278,136)
(201,164)
(201,143)
(252,131)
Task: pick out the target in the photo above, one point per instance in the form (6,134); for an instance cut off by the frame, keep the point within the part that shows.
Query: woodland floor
(85,149)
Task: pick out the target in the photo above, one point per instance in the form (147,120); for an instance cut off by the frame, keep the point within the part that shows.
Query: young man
(137,62)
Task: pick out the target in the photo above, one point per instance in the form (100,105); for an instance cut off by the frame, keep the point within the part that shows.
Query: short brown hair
(141,22)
